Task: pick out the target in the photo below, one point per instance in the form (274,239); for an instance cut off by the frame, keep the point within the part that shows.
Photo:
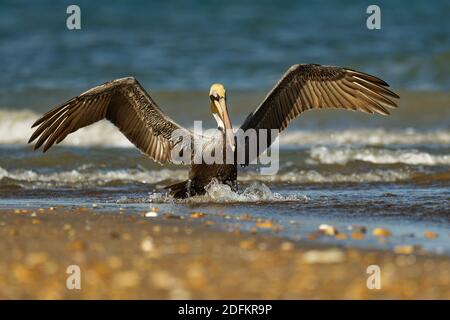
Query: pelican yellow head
(218,88)
(218,97)
(216,93)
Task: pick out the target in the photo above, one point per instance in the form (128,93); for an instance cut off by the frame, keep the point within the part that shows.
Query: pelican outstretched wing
(311,86)
(126,104)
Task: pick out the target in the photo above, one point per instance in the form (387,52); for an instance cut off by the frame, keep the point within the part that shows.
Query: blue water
(184,45)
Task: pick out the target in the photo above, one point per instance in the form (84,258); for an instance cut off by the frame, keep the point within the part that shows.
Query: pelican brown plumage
(128,106)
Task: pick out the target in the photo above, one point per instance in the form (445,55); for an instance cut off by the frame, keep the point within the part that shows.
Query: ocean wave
(368,137)
(99,177)
(346,154)
(313,176)
(15,128)
(81,177)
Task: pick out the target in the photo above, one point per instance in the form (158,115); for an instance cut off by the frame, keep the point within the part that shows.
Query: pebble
(196,275)
(287,246)
(324,256)
(147,245)
(126,236)
(358,236)
(126,279)
(179,293)
(169,215)
(381,232)
(197,215)
(265,224)
(78,245)
(328,230)
(151,214)
(406,249)
(430,234)
(341,236)
(245,217)
(247,244)
(114,235)
(36,258)
(162,280)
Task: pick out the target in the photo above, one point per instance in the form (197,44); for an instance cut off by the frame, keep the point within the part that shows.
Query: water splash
(222,193)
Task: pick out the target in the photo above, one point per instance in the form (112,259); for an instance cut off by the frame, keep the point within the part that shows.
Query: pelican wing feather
(126,104)
(311,86)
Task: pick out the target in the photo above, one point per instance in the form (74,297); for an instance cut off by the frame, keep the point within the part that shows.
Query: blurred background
(186,45)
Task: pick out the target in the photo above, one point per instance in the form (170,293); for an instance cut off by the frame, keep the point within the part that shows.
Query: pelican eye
(215,96)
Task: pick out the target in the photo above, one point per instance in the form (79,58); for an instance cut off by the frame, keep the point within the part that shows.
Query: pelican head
(218,97)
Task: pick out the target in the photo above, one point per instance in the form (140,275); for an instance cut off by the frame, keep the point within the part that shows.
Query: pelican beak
(221,106)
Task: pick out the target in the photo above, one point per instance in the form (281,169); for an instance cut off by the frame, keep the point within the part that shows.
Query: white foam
(367,137)
(99,177)
(343,155)
(220,193)
(313,176)
(80,177)
(15,128)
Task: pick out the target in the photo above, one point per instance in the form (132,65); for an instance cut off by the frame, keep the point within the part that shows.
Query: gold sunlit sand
(134,256)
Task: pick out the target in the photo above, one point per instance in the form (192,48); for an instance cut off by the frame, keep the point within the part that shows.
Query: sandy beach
(165,256)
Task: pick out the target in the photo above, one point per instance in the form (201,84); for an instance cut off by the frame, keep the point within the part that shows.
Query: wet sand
(165,257)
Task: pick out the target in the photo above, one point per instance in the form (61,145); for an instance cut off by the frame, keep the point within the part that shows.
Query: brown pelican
(127,105)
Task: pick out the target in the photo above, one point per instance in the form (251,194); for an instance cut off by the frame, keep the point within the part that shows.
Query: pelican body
(126,104)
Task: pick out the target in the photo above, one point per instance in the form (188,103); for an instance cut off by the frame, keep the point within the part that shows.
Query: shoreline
(136,257)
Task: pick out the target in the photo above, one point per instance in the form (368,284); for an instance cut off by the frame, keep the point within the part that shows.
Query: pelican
(126,104)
